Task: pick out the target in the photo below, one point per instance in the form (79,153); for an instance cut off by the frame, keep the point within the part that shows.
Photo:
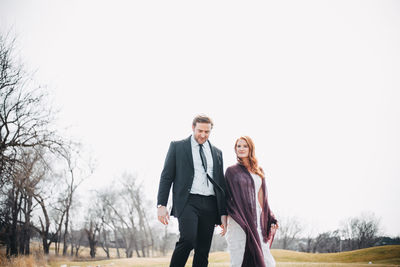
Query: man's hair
(202,119)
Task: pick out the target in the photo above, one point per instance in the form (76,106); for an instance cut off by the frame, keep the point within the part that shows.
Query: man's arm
(167,176)
(222,183)
(223,211)
(166,179)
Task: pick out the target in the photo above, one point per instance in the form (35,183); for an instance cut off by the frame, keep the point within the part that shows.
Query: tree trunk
(77,251)
(117,244)
(106,247)
(92,250)
(118,255)
(65,247)
(91,235)
(46,246)
(13,233)
(27,227)
(57,245)
(92,245)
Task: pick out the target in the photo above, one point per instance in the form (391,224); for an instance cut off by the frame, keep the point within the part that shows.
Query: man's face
(201,132)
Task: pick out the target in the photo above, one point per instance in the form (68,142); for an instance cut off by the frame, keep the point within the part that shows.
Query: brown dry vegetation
(379,256)
(23,261)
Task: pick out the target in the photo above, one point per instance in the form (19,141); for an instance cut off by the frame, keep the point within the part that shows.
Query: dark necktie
(204,162)
(203,159)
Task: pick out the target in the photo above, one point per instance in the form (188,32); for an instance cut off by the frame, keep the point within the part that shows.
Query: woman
(251,224)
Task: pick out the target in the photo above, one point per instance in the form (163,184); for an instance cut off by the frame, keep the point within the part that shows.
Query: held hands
(162,215)
(224,224)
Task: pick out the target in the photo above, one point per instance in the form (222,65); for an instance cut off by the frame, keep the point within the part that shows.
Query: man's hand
(224,225)
(163,215)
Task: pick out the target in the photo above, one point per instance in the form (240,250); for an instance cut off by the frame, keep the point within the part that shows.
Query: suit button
(189,190)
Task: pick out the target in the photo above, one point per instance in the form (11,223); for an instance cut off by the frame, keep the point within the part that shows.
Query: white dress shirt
(201,185)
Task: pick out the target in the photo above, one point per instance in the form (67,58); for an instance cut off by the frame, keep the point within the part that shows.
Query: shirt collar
(194,142)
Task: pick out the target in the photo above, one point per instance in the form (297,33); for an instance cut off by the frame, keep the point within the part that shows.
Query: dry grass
(314,264)
(162,262)
(382,255)
(23,261)
(379,256)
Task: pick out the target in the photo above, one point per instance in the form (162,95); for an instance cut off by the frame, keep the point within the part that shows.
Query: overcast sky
(314,83)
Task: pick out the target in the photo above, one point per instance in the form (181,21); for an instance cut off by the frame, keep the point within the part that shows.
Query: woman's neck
(246,163)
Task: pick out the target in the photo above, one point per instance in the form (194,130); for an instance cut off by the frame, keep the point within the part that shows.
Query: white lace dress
(236,237)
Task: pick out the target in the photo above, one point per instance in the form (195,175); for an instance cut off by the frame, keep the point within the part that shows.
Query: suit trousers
(196,228)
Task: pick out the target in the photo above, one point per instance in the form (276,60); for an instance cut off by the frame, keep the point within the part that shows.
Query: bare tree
(76,232)
(41,190)
(132,193)
(327,242)
(58,216)
(360,232)
(44,231)
(105,241)
(72,184)
(123,212)
(308,244)
(25,123)
(104,212)
(166,241)
(92,229)
(77,237)
(25,117)
(289,229)
(125,225)
(27,177)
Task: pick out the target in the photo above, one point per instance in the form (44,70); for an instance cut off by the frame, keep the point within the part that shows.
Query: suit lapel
(215,160)
(188,150)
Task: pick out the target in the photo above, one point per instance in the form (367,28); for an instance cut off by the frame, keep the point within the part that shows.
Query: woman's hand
(224,224)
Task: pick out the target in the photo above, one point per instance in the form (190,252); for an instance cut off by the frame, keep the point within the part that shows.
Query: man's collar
(194,142)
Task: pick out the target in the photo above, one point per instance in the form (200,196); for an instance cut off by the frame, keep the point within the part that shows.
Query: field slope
(379,256)
(383,254)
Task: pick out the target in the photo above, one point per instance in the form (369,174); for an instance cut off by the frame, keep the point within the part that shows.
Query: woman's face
(242,149)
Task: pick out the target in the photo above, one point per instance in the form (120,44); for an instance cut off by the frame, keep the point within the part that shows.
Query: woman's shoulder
(233,169)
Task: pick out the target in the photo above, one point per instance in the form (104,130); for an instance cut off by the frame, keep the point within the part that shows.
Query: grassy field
(379,256)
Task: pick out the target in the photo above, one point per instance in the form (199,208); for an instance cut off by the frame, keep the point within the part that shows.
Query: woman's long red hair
(252,157)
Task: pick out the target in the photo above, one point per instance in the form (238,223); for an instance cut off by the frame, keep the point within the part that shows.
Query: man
(194,169)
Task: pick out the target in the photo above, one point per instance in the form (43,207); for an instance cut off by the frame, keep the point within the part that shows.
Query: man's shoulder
(216,149)
(180,142)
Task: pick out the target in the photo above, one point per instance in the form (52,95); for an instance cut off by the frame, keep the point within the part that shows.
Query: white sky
(314,83)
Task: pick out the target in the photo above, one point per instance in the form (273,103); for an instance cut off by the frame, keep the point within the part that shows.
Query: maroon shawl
(241,206)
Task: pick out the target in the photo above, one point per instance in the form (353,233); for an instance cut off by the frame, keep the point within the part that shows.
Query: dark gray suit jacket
(178,171)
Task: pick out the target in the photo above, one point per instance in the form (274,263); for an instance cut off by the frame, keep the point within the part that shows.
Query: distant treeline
(355,233)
